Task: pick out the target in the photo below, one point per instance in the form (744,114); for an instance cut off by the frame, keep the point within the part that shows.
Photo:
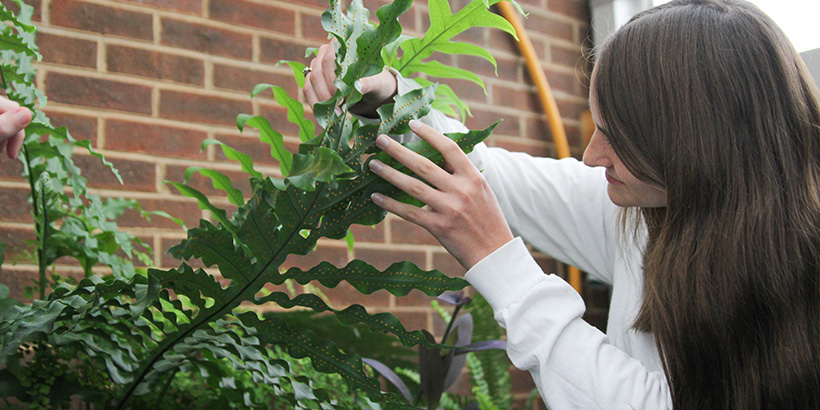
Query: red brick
(80,127)
(153,139)
(550,27)
(447,264)
(183,6)
(273,50)
(67,51)
(413,320)
(136,176)
(510,124)
(409,233)
(14,206)
(98,93)
(187,211)
(363,233)
(200,108)
(101,19)
(206,39)
(250,144)
(503,41)
(10,170)
(323,4)
(244,79)
(152,64)
(562,81)
(253,14)
(576,9)
(278,118)
(537,129)
(569,57)
(312,28)
(524,99)
(466,90)
(571,110)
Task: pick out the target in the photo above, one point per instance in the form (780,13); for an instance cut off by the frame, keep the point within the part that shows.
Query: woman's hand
(462,212)
(319,87)
(13,119)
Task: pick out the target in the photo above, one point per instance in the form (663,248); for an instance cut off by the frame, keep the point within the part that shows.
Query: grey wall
(812,59)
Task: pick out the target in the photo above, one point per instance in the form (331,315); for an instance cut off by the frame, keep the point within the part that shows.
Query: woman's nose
(597,152)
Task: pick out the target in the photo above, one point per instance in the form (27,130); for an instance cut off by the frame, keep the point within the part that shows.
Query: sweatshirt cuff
(506,274)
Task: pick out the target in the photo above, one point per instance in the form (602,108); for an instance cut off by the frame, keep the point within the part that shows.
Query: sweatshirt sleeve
(560,207)
(572,363)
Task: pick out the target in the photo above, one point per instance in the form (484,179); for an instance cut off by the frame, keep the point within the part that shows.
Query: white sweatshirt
(561,208)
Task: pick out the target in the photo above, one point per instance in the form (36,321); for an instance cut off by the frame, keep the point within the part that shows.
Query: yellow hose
(559,135)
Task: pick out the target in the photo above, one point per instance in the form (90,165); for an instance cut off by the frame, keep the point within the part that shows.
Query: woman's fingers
(454,157)
(412,186)
(423,167)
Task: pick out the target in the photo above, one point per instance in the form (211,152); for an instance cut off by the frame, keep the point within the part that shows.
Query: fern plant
(141,330)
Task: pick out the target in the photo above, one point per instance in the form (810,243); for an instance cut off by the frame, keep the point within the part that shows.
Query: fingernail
(415,125)
(358,85)
(382,141)
(376,198)
(376,165)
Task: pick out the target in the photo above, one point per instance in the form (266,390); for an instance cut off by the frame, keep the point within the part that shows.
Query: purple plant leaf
(390,376)
(455,298)
(463,329)
(486,345)
(432,369)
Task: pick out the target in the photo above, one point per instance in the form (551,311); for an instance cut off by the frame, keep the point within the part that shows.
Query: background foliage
(133,339)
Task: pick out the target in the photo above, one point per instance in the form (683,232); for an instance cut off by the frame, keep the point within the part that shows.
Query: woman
(702,211)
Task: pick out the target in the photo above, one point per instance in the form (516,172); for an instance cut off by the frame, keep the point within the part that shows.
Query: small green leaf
(298,71)
(269,136)
(203,202)
(244,159)
(322,166)
(220,181)
(296,111)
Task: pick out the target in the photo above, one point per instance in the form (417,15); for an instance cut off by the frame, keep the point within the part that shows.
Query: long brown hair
(708,99)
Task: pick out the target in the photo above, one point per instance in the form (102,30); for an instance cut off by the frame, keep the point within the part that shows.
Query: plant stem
(450,325)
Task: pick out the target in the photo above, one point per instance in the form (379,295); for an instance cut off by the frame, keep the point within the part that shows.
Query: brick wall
(147,80)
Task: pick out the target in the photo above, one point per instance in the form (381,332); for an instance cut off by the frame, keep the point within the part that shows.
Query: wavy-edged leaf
(322,166)
(219,181)
(398,279)
(298,71)
(203,201)
(324,355)
(244,160)
(437,69)
(269,136)
(296,111)
(382,322)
